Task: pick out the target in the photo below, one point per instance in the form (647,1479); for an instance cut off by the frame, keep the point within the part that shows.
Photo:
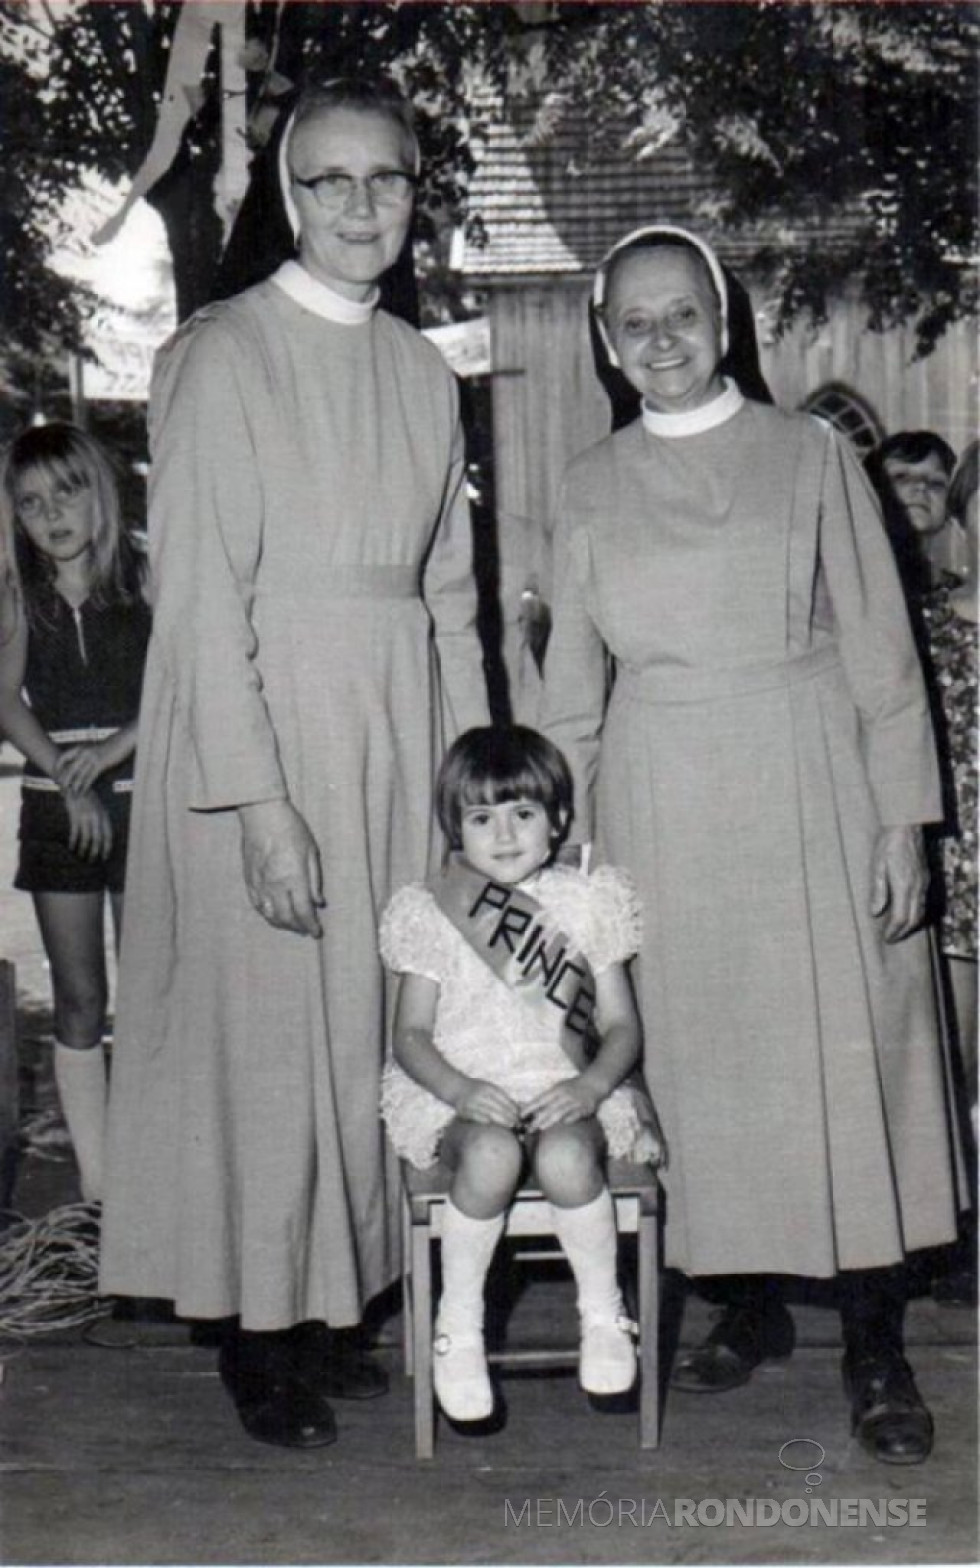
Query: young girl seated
(74,626)
(515,1030)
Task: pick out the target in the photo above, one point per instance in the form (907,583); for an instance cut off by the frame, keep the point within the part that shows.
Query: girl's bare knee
(490,1149)
(568,1163)
(488,1164)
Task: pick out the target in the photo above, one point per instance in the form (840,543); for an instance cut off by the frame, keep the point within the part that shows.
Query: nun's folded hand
(899,880)
(281,864)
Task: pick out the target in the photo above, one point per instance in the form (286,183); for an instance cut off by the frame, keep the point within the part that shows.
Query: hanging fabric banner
(182,95)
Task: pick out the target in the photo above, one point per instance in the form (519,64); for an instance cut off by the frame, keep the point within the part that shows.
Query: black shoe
(956,1289)
(746,1335)
(888,1416)
(334,1363)
(143,1309)
(273,1405)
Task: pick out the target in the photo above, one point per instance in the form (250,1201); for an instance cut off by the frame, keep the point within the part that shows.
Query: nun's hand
(282,869)
(899,880)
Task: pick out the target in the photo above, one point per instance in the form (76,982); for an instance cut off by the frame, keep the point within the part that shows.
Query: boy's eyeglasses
(386,187)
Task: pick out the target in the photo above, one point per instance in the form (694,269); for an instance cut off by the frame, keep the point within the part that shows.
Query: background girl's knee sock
(80,1076)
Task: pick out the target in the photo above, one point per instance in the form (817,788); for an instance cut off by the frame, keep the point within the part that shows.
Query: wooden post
(76,391)
(9,1092)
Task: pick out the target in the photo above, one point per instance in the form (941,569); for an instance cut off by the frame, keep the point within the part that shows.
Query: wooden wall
(936,393)
(548,406)
(547,403)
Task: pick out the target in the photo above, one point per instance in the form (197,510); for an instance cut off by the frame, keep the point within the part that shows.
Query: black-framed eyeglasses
(386,187)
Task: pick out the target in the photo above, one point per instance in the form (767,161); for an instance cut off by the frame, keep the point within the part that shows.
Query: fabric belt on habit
(657,684)
(356,582)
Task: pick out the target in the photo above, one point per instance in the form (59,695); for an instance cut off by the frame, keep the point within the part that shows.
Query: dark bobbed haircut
(366,95)
(965,482)
(915,446)
(496,763)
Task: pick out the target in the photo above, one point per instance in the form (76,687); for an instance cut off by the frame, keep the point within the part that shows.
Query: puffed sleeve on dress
(876,644)
(410,936)
(616,917)
(575,669)
(450,594)
(205,541)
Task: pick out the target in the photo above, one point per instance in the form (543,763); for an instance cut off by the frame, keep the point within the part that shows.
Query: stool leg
(648,1267)
(422,1335)
(408,1300)
(408,1322)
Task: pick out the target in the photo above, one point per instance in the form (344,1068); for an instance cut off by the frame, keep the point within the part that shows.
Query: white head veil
(285,183)
(667,232)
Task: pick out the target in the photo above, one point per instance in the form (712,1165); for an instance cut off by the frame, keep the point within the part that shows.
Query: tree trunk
(184,198)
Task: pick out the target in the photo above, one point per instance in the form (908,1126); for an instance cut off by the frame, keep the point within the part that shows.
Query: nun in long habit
(314,648)
(763,766)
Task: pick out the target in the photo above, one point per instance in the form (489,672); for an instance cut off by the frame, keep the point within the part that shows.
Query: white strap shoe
(460,1377)
(607,1359)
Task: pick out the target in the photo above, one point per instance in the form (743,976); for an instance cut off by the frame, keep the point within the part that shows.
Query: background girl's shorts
(48,865)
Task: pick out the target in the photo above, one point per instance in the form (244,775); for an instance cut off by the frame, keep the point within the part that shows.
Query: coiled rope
(49,1271)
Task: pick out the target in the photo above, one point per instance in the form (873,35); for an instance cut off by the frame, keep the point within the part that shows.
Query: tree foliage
(805,109)
(37,304)
(802,111)
(87,80)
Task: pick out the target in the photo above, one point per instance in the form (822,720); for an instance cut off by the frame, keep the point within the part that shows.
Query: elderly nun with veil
(763,764)
(314,648)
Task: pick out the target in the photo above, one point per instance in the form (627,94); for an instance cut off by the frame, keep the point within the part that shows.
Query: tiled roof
(539,208)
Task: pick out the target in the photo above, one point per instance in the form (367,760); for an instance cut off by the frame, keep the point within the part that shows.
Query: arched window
(848,412)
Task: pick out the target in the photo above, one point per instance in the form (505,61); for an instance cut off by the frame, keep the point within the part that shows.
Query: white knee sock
(588,1238)
(468,1245)
(81,1080)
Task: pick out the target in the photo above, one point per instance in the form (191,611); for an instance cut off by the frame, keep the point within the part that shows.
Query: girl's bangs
(523,784)
(70,469)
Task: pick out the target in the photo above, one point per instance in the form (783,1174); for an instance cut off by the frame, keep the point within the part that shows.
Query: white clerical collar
(324,301)
(695,420)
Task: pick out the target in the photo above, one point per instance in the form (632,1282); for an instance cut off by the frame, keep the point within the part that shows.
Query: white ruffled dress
(485,1028)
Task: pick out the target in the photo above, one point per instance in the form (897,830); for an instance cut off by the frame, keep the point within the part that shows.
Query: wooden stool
(635,1191)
